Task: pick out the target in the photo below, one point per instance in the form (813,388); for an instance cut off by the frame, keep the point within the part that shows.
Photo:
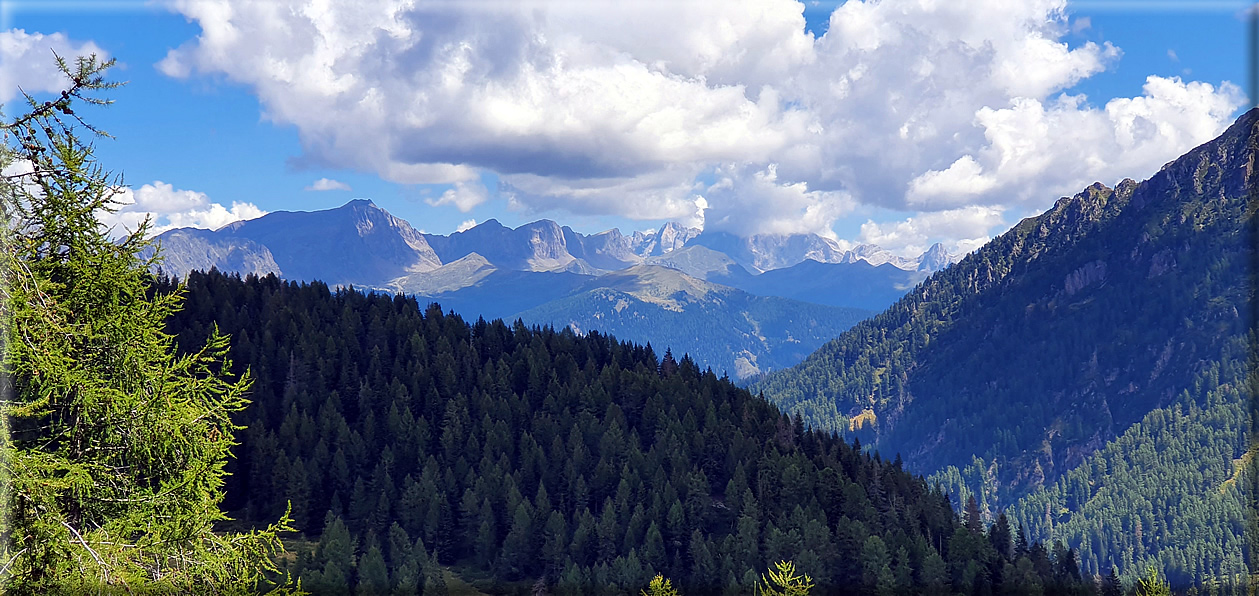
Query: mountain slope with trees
(1173,491)
(1038,349)
(407,439)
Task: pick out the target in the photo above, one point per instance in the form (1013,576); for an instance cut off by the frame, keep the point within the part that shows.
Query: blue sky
(907,125)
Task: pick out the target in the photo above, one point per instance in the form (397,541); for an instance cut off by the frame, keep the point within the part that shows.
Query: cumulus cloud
(670,193)
(746,201)
(431,92)
(967,228)
(27,62)
(897,86)
(466,225)
(599,108)
(1036,150)
(463,195)
(328,184)
(171,208)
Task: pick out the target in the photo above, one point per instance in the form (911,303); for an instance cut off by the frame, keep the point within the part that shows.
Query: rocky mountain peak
(671,236)
(935,259)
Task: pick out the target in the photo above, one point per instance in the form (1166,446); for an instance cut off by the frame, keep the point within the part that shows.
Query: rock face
(1088,274)
(775,251)
(935,259)
(876,255)
(191,249)
(767,252)
(671,236)
(608,250)
(539,246)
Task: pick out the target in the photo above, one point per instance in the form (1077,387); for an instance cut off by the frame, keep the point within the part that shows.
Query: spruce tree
(112,448)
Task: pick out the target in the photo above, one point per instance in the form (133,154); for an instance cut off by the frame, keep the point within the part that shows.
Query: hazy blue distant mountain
(554,274)
(362,244)
(358,243)
(702,262)
(935,259)
(501,294)
(767,252)
(607,251)
(857,284)
(451,277)
(763,252)
(722,327)
(877,255)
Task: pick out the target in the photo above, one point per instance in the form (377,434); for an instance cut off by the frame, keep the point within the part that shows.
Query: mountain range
(750,305)
(364,245)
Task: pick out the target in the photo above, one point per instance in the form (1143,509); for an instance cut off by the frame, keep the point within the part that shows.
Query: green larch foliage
(113,446)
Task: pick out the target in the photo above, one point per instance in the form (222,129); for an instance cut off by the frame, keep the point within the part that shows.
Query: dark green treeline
(407,439)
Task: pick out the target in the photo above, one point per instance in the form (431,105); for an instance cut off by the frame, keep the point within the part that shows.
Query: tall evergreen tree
(113,447)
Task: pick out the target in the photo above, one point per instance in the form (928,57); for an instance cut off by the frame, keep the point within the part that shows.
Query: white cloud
(27,62)
(429,93)
(670,193)
(746,201)
(463,195)
(962,230)
(328,184)
(466,225)
(604,108)
(1036,151)
(897,85)
(172,208)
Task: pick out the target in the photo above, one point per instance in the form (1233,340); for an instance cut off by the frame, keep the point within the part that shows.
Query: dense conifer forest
(407,440)
(1172,491)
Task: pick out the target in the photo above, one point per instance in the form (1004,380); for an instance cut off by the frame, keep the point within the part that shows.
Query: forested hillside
(408,440)
(1053,340)
(1172,491)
